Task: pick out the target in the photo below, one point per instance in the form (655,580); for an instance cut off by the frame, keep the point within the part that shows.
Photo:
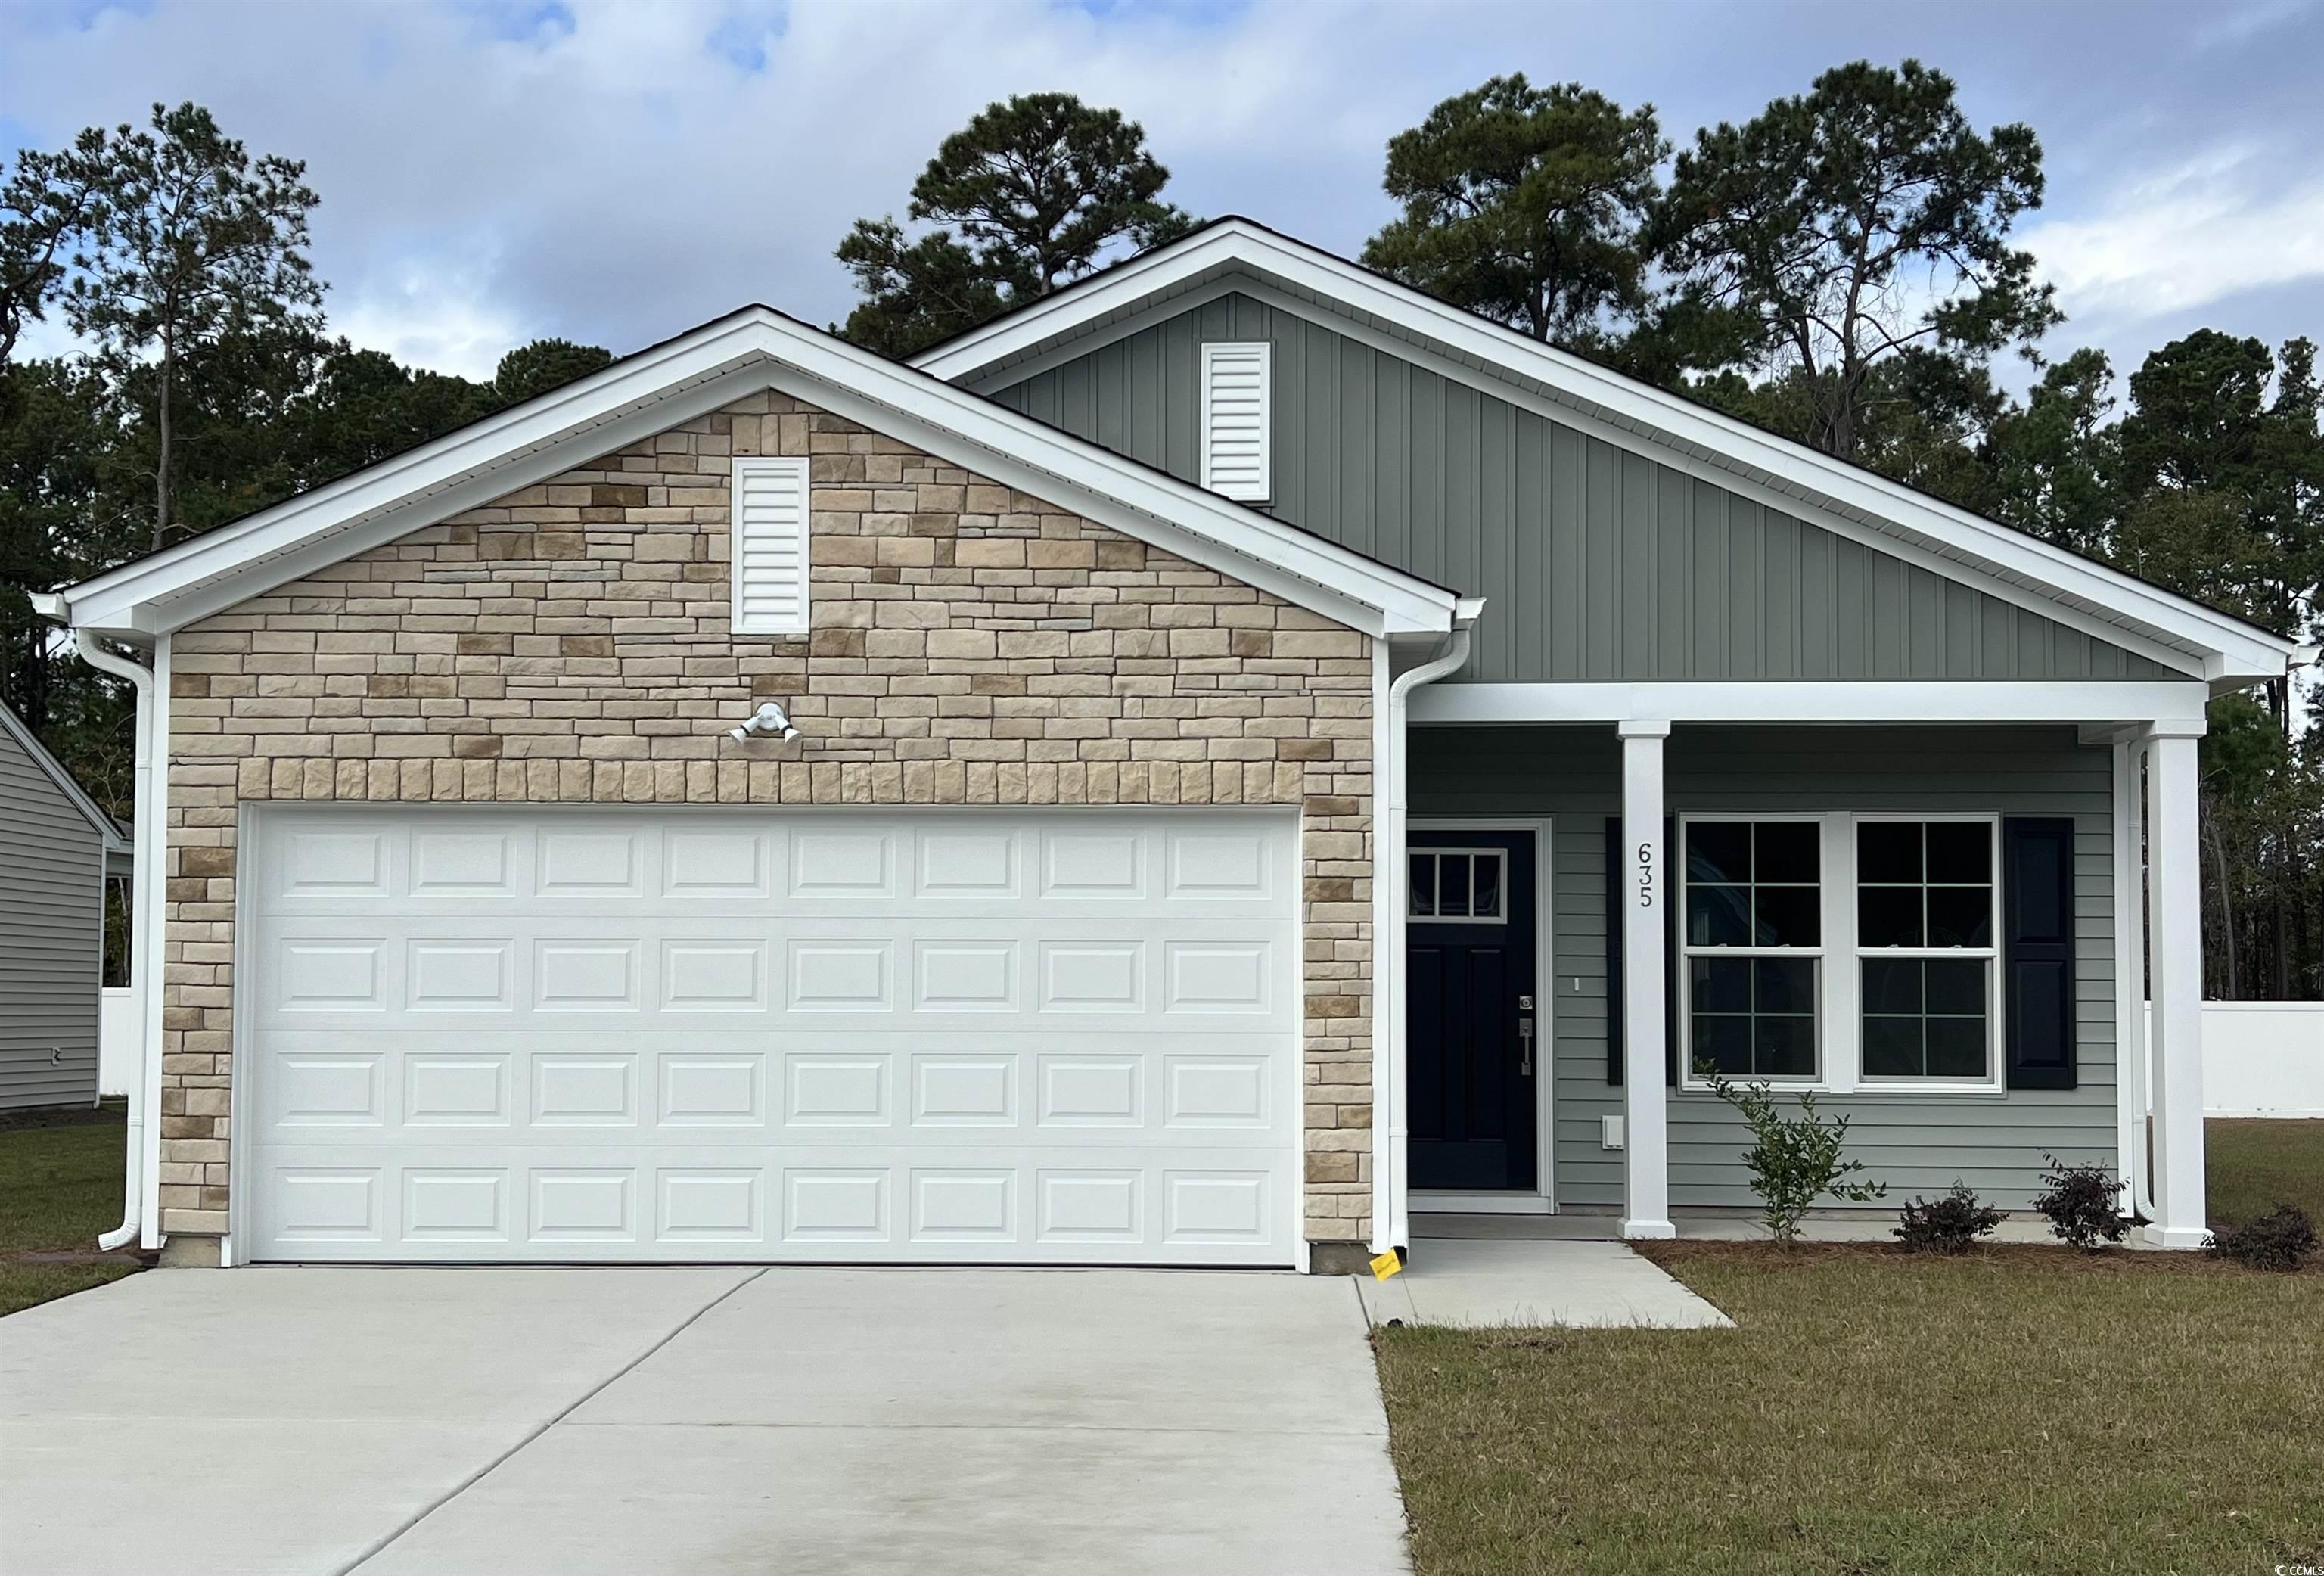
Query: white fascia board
(690,377)
(1838,700)
(2230,651)
(460,470)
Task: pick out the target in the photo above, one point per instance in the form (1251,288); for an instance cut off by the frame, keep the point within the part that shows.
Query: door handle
(1525,1041)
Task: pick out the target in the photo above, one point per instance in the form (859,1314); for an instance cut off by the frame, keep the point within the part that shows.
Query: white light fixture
(768,722)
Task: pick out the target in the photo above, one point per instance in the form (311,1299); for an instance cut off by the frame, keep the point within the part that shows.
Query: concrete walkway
(1476,1282)
(525,1422)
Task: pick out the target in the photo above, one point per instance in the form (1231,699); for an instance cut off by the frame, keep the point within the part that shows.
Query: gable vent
(1238,397)
(769,512)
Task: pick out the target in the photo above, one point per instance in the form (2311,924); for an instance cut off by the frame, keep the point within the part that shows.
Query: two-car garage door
(1050,1036)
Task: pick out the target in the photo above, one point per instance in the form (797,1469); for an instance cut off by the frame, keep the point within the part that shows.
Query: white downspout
(144,959)
(1390,873)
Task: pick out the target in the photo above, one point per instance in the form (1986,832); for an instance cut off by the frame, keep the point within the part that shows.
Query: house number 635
(1645,875)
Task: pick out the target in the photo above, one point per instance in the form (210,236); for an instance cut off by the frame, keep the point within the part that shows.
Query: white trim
(1685,951)
(768,479)
(2174,925)
(1839,958)
(1223,463)
(2229,649)
(1500,915)
(1542,829)
(1994,1080)
(700,371)
(1818,701)
(1644,909)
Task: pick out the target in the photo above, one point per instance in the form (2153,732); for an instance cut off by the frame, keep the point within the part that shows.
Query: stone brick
(569,643)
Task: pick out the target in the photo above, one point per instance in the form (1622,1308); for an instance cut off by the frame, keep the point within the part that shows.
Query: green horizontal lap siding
(1597,563)
(1917,1144)
(51,859)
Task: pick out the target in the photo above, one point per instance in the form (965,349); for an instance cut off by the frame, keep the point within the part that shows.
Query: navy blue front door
(1473,1061)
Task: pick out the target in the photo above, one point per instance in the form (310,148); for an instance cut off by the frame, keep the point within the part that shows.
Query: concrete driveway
(638,1421)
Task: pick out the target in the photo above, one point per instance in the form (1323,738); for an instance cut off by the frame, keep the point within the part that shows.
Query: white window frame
(1840,967)
(797,471)
(1501,858)
(1821,954)
(1990,954)
(1265,351)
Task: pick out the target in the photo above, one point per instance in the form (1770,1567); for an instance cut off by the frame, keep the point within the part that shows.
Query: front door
(1474,1059)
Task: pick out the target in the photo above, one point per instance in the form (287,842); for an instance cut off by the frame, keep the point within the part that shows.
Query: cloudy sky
(615,170)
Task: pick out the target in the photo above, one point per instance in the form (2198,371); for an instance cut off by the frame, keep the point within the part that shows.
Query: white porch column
(2130,970)
(1644,895)
(2174,928)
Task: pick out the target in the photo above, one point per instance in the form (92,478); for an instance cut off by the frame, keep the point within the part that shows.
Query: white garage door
(1054,1036)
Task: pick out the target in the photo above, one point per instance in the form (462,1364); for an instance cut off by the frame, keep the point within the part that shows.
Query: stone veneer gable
(570,643)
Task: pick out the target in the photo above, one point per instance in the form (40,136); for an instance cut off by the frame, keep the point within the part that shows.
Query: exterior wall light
(768,722)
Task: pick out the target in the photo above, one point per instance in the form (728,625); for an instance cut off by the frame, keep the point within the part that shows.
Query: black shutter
(2037,952)
(1618,887)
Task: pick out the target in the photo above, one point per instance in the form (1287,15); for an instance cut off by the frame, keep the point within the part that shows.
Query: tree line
(1838,270)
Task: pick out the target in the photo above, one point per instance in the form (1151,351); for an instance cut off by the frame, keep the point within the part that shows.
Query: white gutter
(143,955)
(1388,1026)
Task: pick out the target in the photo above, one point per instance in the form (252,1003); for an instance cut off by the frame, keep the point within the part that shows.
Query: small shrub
(2279,1239)
(2080,1204)
(1953,1224)
(1794,1160)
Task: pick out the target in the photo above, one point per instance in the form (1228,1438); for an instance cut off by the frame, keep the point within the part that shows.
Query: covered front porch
(1929,904)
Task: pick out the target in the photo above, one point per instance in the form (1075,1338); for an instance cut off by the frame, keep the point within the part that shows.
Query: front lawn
(2254,1165)
(2025,1409)
(59,1187)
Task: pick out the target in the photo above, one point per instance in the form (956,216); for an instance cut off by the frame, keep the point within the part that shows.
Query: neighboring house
(57,849)
(1247,716)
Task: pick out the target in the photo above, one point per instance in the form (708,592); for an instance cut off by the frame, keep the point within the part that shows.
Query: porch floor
(1475,1282)
(1870,1226)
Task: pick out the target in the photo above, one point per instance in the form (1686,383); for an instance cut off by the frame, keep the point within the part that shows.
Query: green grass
(59,1187)
(2024,1409)
(2254,1165)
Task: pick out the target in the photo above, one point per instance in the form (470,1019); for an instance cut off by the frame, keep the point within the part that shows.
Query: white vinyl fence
(2263,1059)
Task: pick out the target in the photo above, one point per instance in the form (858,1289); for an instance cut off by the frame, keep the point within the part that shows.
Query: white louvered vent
(770,509)
(1238,400)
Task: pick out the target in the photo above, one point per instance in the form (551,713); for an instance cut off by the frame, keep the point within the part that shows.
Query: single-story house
(57,851)
(1194,771)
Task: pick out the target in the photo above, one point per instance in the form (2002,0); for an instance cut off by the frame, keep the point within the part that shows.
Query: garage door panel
(1038,1205)
(320,972)
(946,1037)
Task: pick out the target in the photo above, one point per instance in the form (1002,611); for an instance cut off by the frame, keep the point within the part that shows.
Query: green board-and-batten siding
(1598,563)
(1916,1144)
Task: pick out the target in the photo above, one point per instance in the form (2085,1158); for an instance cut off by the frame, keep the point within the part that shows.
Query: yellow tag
(1386,1265)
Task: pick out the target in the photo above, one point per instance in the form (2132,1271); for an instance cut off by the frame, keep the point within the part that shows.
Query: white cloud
(2200,233)
(487,180)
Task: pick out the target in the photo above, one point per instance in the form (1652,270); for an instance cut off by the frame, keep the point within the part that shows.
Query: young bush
(2279,1239)
(1953,1224)
(2080,1204)
(1794,1160)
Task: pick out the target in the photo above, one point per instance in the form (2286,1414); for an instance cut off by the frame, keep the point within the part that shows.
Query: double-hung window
(1840,951)
(1752,949)
(1925,949)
